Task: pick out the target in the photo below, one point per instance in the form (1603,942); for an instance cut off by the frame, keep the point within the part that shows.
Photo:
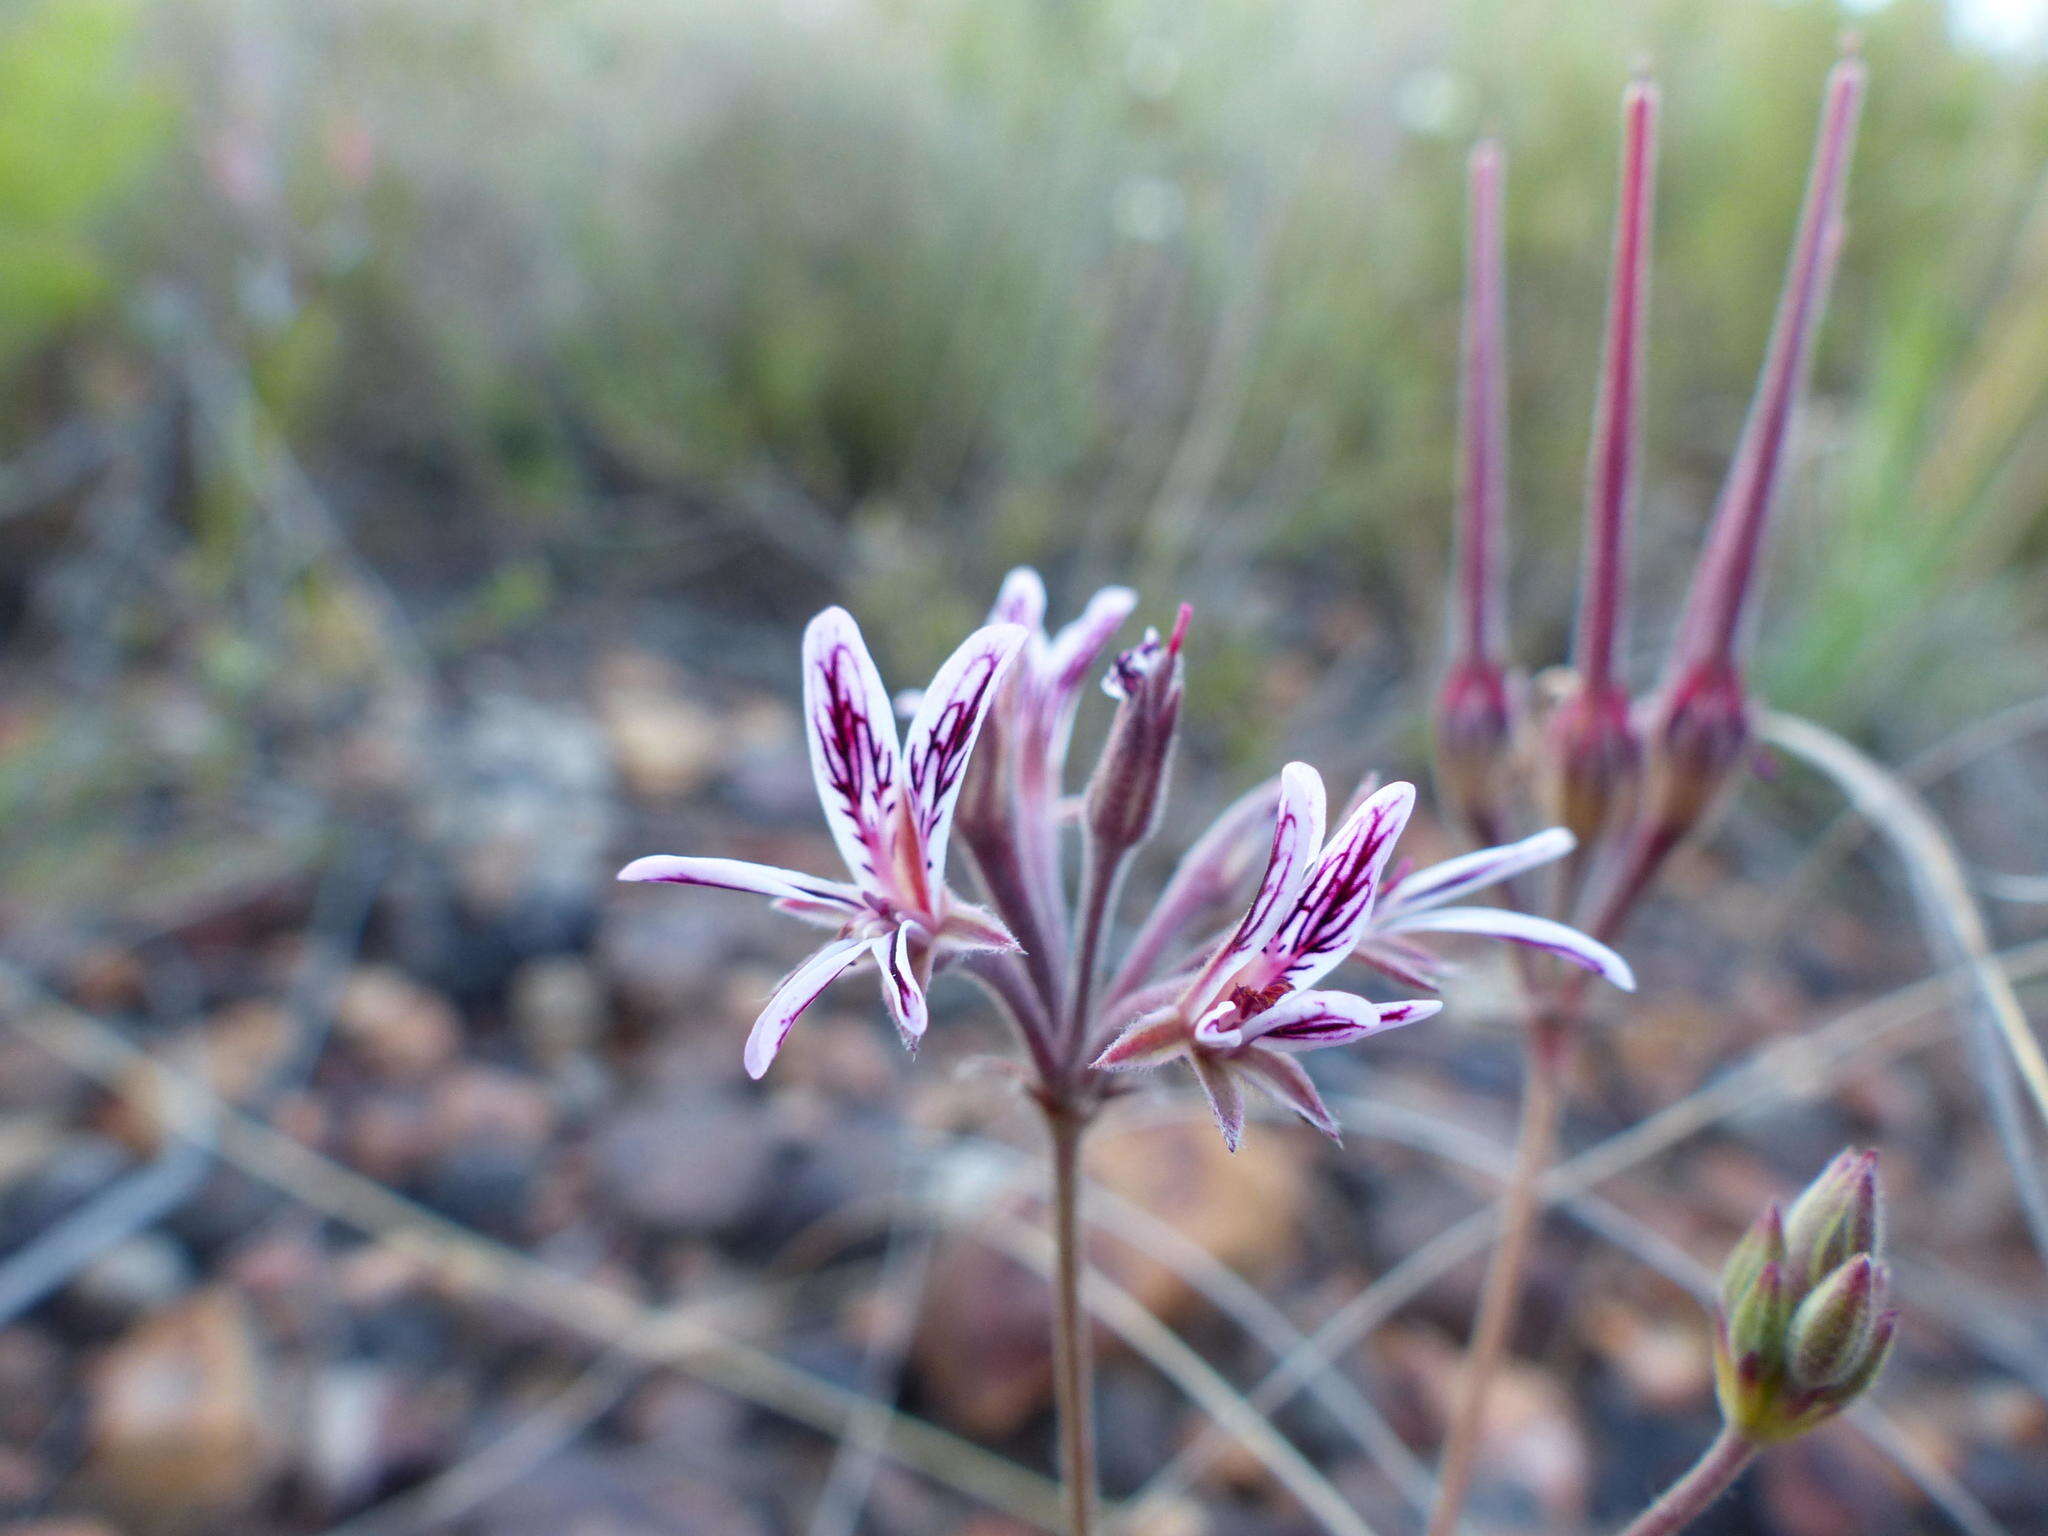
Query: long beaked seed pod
(1593,748)
(1700,725)
(1473,715)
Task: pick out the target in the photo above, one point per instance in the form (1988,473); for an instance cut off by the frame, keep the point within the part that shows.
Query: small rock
(484,1105)
(691,1165)
(982,1352)
(663,744)
(139,1275)
(1244,1207)
(107,979)
(557,1007)
(1666,1364)
(403,1031)
(178,1430)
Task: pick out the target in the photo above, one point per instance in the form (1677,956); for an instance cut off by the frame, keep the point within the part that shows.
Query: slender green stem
(1073,1364)
(1708,1480)
(1547,1053)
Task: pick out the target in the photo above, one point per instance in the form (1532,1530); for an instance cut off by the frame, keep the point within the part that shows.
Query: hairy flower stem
(1547,1053)
(1102,875)
(1072,1353)
(1708,1480)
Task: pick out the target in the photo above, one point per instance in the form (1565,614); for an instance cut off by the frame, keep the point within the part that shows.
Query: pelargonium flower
(1253,1003)
(1421,903)
(891,813)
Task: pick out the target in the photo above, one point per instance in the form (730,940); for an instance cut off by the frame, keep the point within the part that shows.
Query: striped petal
(1309,1021)
(853,743)
(1205,875)
(799,989)
(1069,658)
(1457,878)
(1409,964)
(1297,833)
(742,875)
(1020,600)
(1335,902)
(942,735)
(1567,943)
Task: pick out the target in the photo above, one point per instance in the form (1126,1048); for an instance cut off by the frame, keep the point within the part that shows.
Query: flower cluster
(1804,1325)
(986,745)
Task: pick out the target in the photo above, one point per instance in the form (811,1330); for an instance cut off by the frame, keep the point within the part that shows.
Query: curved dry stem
(1956,933)
(1520,1203)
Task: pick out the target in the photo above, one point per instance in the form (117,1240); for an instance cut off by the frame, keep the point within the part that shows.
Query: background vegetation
(424,425)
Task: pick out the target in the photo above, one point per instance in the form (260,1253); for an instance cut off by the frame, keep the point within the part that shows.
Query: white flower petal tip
(797,991)
(1553,938)
(1470,872)
(1413,1011)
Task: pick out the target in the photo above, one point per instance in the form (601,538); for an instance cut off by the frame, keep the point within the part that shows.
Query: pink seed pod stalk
(1592,745)
(1473,715)
(1700,721)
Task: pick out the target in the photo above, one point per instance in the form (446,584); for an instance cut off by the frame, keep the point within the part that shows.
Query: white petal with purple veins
(1460,877)
(941,737)
(1309,1021)
(1021,600)
(1297,832)
(743,875)
(798,990)
(1519,928)
(1335,902)
(852,735)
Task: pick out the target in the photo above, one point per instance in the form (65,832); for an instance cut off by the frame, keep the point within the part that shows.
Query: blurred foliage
(77,132)
(742,303)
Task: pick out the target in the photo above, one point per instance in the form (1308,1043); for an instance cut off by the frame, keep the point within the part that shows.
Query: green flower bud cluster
(1804,1327)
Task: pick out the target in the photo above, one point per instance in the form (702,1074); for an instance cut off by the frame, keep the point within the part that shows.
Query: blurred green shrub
(746,300)
(78,131)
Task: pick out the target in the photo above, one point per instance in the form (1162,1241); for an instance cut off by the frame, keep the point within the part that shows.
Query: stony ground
(448,998)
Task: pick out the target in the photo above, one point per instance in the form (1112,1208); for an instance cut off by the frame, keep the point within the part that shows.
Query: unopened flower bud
(1763,1243)
(1595,760)
(1833,1328)
(1835,1219)
(1699,732)
(1804,1327)
(1474,722)
(1125,793)
(1756,1323)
